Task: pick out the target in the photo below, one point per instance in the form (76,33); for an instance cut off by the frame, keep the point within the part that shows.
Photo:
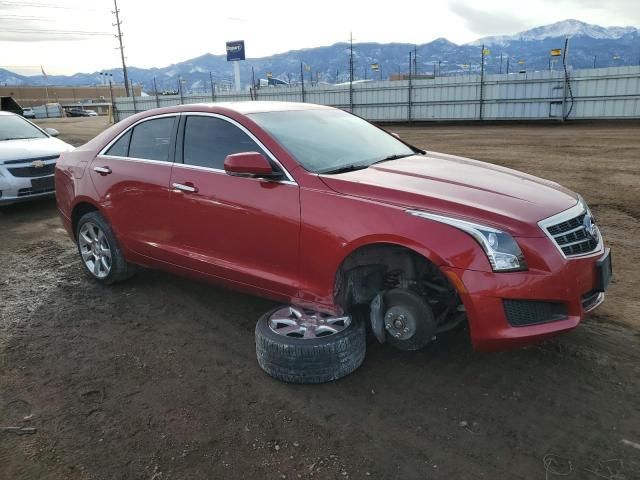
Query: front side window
(151,139)
(208,141)
(13,127)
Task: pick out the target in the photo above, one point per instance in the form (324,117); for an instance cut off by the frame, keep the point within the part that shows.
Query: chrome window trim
(140,160)
(102,153)
(290,179)
(578,209)
(222,172)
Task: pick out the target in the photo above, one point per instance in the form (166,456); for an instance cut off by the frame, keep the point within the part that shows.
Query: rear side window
(121,147)
(208,141)
(151,140)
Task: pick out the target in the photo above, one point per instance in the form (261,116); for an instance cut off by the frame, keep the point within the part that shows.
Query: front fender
(335,225)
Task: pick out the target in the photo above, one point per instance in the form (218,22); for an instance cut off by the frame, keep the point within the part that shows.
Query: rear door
(132,177)
(241,229)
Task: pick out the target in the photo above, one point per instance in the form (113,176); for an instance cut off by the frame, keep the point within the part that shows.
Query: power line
(23,17)
(44,5)
(55,32)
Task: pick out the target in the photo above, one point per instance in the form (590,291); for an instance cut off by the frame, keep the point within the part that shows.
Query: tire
(119,269)
(312,360)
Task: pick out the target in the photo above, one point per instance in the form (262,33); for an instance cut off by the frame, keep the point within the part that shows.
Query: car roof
(2,112)
(242,108)
(264,106)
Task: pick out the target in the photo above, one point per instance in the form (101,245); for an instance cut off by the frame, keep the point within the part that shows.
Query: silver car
(28,155)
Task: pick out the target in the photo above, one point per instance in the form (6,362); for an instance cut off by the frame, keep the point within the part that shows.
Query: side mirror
(249,164)
(52,131)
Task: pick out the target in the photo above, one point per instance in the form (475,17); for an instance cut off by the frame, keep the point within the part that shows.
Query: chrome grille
(572,236)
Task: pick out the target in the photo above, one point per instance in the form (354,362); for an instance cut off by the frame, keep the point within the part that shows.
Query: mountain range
(527,50)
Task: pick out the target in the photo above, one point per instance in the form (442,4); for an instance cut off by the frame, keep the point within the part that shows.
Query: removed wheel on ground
(298,346)
(99,250)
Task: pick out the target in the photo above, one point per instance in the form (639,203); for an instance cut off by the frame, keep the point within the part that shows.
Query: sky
(69,36)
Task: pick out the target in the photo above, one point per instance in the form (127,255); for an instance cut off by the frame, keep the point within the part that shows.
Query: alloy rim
(95,250)
(298,323)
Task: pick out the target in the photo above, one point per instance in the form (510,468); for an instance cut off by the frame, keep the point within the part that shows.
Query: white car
(28,155)
(28,113)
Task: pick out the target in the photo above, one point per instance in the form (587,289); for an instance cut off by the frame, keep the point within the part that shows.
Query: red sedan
(319,209)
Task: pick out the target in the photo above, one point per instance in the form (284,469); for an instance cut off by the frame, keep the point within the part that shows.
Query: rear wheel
(298,346)
(99,250)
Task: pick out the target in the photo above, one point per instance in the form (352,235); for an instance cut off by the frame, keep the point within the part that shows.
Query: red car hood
(460,187)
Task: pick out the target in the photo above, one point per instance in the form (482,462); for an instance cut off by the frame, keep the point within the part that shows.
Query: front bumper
(15,189)
(570,284)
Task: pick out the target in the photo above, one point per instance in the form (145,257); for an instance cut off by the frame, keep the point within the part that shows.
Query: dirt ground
(157,378)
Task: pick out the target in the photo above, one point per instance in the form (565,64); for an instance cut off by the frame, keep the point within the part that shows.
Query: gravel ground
(156,378)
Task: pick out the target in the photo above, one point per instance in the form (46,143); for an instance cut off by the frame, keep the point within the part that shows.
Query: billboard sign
(235,50)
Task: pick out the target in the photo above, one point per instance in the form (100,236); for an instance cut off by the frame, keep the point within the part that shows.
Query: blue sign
(235,50)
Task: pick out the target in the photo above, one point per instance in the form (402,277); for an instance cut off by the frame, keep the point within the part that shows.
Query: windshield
(330,141)
(13,127)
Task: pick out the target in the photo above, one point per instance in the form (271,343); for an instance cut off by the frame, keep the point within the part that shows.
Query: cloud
(484,22)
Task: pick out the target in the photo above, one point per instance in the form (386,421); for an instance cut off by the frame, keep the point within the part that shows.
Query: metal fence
(601,93)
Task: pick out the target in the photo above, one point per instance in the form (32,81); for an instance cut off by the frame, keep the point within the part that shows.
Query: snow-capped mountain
(563,29)
(590,45)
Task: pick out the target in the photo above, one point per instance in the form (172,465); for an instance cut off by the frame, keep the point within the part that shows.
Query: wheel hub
(399,323)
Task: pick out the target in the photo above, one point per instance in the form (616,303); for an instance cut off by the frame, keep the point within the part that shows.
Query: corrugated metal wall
(590,94)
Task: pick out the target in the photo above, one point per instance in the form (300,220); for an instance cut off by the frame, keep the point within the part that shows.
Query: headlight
(501,249)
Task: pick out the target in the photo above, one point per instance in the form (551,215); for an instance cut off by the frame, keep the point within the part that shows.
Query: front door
(241,229)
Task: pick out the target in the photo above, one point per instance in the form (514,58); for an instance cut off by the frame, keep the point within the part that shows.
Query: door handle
(102,170)
(179,187)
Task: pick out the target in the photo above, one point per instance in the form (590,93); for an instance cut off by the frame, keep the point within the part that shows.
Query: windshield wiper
(346,168)
(392,157)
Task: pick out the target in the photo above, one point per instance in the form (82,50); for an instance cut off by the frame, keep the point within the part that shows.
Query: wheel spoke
(96,267)
(85,237)
(288,330)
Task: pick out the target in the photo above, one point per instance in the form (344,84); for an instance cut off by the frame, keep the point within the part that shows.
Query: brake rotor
(408,319)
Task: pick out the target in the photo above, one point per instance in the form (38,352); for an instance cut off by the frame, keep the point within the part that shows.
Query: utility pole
(415,60)
(112,112)
(482,83)
(302,80)
(595,57)
(119,37)
(500,63)
(565,55)
(508,59)
(155,89)
(213,87)
(409,99)
(351,71)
